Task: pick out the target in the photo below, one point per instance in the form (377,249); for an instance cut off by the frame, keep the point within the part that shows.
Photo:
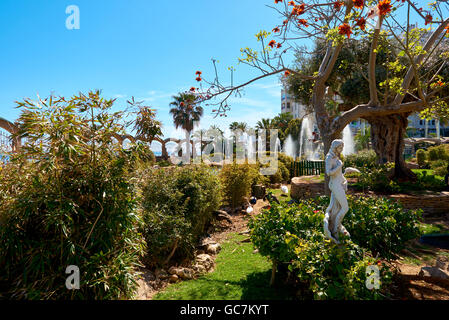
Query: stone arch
(12,129)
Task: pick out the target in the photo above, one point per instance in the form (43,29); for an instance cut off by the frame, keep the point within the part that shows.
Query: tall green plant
(67,200)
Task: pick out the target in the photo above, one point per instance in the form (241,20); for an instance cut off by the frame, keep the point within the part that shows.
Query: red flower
(198,79)
(428,19)
(291,3)
(277,1)
(361,23)
(287,73)
(276,30)
(272,43)
(345,29)
(316,211)
(192,89)
(384,7)
(284,22)
(278,45)
(302,22)
(358,3)
(198,73)
(298,9)
(182,104)
(337,5)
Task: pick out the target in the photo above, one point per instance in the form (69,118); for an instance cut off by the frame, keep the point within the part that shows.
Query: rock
(222,215)
(244,232)
(284,189)
(172,270)
(256,251)
(227,209)
(199,269)
(259,191)
(161,274)
(186,274)
(213,248)
(434,272)
(173,278)
(205,260)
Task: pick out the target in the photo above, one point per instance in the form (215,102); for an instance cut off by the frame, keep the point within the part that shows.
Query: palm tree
(202,136)
(238,126)
(264,124)
(185,112)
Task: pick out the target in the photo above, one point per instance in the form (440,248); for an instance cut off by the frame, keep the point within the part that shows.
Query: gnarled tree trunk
(387,137)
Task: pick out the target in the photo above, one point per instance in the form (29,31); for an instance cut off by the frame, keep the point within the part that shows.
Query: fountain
(289,147)
(348,140)
(307,147)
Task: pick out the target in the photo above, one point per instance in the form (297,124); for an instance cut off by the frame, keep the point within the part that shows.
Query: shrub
(378,179)
(421,157)
(439,167)
(424,181)
(164,163)
(361,159)
(438,153)
(293,235)
(378,224)
(237,180)
(177,205)
(66,200)
(282,173)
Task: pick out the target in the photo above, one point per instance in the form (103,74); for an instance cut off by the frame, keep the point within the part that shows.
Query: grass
(240,274)
(429,172)
(280,195)
(437,228)
(426,254)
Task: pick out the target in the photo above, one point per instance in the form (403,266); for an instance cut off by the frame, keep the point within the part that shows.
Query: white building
(420,128)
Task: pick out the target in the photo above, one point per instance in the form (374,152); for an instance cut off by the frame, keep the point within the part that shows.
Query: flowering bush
(293,235)
(380,225)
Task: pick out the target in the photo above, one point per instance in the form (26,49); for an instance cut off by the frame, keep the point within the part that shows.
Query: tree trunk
(186,159)
(387,137)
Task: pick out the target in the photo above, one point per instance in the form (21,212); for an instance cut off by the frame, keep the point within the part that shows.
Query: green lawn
(437,228)
(239,274)
(428,172)
(281,196)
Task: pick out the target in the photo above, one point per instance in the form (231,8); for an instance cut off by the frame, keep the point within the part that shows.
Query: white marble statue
(338,185)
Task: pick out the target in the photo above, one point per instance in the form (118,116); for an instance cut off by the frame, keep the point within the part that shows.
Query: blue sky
(142,48)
